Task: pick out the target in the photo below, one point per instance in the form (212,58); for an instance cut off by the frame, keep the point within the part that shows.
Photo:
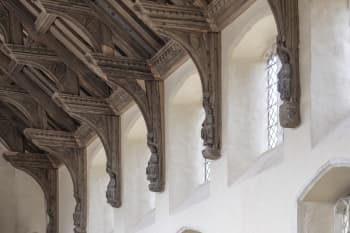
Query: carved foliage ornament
(287,17)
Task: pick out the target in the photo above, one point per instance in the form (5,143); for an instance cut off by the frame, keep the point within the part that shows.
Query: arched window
(206,171)
(274,130)
(342,215)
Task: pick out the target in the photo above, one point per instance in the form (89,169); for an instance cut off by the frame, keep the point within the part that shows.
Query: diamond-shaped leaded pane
(206,171)
(274,130)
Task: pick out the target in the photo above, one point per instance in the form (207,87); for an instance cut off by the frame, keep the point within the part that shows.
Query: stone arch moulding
(45,173)
(286,14)
(190,27)
(338,163)
(67,148)
(127,73)
(99,116)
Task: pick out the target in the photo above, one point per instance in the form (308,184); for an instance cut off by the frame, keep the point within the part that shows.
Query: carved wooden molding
(167,60)
(45,174)
(222,12)
(68,149)
(123,67)
(287,17)
(190,28)
(98,115)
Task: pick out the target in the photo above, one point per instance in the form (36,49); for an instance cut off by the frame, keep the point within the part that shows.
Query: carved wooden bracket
(287,17)
(27,106)
(190,27)
(68,149)
(99,116)
(45,173)
(125,73)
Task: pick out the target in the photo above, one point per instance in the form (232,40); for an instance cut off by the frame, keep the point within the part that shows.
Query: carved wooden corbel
(125,73)
(190,27)
(68,149)
(286,14)
(45,173)
(98,115)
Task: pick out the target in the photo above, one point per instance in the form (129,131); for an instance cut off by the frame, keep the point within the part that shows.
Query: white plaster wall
(184,119)
(66,201)
(22,203)
(319,217)
(100,213)
(330,51)
(7,199)
(30,205)
(137,209)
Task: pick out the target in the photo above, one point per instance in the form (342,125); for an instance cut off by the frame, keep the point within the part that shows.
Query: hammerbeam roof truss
(72,67)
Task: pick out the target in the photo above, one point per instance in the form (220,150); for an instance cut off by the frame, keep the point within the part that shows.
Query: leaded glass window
(274,130)
(342,216)
(206,171)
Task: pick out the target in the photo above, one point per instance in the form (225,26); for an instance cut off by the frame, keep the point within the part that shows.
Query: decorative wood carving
(222,12)
(16,72)
(287,17)
(123,72)
(167,60)
(45,173)
(27,106)
(68,149)
(122,21)
(98,115)
(189,27)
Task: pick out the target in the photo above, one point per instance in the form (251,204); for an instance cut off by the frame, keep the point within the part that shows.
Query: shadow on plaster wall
(187,230)
(245,95)
(139,202)
(188,183)
(316,203)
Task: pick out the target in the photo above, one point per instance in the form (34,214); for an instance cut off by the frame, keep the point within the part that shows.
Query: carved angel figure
(207,131)
(112,190)
(152,170)
(284,75)
(77,218)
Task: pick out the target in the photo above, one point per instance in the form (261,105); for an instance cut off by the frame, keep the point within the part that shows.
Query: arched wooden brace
(286,14)
(10,135)
(81,15)
(25,104)
(62,78)
(73,54)
(68,149)
(45,173)
(125,73)
(98,114)
(189,26)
